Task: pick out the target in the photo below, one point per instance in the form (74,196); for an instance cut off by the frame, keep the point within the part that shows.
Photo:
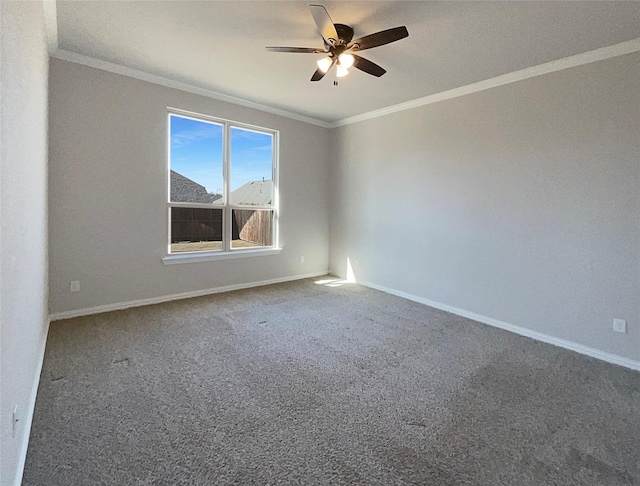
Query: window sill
(214,256)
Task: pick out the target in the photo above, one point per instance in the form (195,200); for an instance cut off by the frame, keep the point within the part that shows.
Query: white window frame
(227,209)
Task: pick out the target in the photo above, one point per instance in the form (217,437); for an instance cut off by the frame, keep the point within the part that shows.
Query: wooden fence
(197,224)
(253,225)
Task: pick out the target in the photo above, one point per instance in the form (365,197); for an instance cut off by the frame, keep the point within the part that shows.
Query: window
(222,185)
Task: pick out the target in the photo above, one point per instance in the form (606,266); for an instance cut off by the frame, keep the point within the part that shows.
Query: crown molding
(170,83)
(51,25)
(588,57)
(601,54)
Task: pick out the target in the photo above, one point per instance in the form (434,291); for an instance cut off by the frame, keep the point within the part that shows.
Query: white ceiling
(219,45)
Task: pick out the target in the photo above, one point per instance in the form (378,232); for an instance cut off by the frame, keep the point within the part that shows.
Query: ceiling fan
(340,48)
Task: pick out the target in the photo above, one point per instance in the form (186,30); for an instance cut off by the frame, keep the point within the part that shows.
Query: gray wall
(23,223)
(107,198)
(520,203)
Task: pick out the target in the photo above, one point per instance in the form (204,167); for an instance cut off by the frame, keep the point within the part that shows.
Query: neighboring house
(254,193)
(184,189)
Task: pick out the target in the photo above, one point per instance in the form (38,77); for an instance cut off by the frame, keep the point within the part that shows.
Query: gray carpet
(301,383)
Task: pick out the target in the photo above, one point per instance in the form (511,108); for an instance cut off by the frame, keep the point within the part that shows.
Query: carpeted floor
(303,383)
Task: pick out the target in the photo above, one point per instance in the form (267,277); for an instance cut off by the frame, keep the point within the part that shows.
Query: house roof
(184,189)
(254,193)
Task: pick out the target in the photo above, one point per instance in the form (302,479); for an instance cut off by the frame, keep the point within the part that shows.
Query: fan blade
(379,38)
(367,66)
(311,50)
(319,74)
(325,25)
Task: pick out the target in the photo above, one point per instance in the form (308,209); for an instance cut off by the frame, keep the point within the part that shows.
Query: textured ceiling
(219,45)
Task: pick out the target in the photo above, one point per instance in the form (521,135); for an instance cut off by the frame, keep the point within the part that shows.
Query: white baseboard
(183,295)
(523,331)
(31,407)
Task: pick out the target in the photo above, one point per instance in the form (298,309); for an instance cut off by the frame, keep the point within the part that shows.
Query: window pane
(194,229)
(251,168)
(251,228)
(195,159)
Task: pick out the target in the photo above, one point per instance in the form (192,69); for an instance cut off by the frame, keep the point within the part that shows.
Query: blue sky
(196,153)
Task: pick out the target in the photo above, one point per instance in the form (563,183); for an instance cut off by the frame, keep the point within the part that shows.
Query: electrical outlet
(620,325)
(75,286)
(302,259)
(15,420)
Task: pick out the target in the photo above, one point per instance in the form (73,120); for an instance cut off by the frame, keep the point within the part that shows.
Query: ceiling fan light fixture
(346,60)
(324,64)
(339,45)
